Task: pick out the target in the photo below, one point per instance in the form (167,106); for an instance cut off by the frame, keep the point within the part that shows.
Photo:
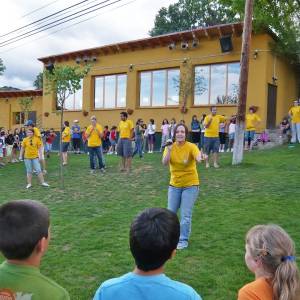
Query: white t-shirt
(231,128)
(151,128)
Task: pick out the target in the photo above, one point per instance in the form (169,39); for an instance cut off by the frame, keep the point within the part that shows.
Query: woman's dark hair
(66,123)
(23,224)
(152,121)
(154,235)
(163,122)
(185,128)
(138,121)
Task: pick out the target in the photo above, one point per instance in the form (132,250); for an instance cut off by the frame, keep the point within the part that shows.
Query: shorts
(211,144)
(76,143)
(124,148)
(32,164)
(9,150)
(151,138)
(249,135)
(222,136)
(65,146)
(48,147)
(196,137)
(112,142)
(231,136)
(41,153)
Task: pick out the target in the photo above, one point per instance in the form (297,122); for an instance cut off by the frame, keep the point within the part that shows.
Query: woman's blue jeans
(183,198)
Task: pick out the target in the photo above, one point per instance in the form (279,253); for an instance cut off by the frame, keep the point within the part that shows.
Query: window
(19,117)
(217,84)
(159,88)
(110,91)
(74,101)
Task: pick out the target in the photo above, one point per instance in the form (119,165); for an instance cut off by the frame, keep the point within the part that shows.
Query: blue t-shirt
(136,287)
(76,135)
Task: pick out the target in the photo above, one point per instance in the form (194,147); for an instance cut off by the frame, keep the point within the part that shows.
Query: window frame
(116,92)
(166,89)
(209,84)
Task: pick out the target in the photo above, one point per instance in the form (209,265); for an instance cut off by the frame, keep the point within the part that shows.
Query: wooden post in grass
(238,147)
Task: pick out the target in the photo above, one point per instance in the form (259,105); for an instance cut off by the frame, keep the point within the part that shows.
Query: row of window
(213,84)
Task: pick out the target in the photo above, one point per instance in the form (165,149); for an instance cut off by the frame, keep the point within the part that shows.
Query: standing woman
(16,146)
(252,120)
(196,130)
(182,157)
(31,146)
(151,135)
(66,138)
(22,134)
(165,133)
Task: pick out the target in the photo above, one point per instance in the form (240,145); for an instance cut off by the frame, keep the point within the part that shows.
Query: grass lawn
(91,217)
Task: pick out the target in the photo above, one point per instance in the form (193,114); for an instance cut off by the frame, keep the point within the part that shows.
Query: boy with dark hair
(24,238)
(154,235)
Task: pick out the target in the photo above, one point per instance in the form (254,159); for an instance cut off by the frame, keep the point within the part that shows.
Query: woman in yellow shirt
(252,120)
(31,148)
(270,255)
(66,138)
(183,191)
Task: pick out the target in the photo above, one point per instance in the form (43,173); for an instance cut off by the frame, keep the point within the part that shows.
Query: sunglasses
(31,144)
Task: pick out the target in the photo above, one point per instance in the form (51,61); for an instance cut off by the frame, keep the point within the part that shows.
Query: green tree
(63,81)
(187,14)
(38,83)
(2,67)
(282,17)
(26,105)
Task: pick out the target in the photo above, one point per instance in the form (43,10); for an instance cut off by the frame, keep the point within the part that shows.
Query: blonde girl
(270,255)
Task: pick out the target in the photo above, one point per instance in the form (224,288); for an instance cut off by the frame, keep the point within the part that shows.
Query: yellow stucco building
(143,78)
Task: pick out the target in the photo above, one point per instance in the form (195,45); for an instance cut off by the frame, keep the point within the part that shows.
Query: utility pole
(238,147)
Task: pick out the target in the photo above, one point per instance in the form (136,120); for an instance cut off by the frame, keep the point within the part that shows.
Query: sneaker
(207,165)
(216,166)
(45,184)
(92,171)
(102,170)
(181,246)
(231,150)
(28,186)
(45,172)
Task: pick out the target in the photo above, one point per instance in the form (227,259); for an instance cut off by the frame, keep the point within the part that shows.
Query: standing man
(94,134)
(211,135)
(124,147)
(29,124)
(76,136)
(294,113)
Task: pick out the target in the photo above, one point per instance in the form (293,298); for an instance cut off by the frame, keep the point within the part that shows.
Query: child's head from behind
(23,224)
(154,235)
(270,251)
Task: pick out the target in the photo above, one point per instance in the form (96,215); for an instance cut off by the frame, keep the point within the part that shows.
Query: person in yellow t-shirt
(270,255)
(252,120)
(211,136)
(94,134)
(65,139)
(182,156)
(37,133)
(124,146)
(294,114)
(31,146)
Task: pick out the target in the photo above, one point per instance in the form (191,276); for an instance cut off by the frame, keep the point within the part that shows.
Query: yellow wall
(8,106)
(208,52)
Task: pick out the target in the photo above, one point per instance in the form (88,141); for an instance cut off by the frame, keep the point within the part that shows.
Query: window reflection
(217,84)
(110,91)
(159,88)
(74,101)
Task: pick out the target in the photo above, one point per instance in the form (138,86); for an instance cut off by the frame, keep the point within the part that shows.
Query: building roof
(151,42)
(20,93)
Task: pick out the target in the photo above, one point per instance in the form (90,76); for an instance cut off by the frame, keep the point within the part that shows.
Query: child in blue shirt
(154,235)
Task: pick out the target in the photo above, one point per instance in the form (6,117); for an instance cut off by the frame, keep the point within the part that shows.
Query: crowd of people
(154,235)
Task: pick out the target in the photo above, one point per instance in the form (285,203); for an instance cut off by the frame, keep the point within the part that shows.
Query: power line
(64,28)
(28,34)
(43,18)
(40,8)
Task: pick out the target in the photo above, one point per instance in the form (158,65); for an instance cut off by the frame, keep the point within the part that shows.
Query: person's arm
(167,155)
(207,122)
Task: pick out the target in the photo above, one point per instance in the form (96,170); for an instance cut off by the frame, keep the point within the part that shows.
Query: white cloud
(132,21)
